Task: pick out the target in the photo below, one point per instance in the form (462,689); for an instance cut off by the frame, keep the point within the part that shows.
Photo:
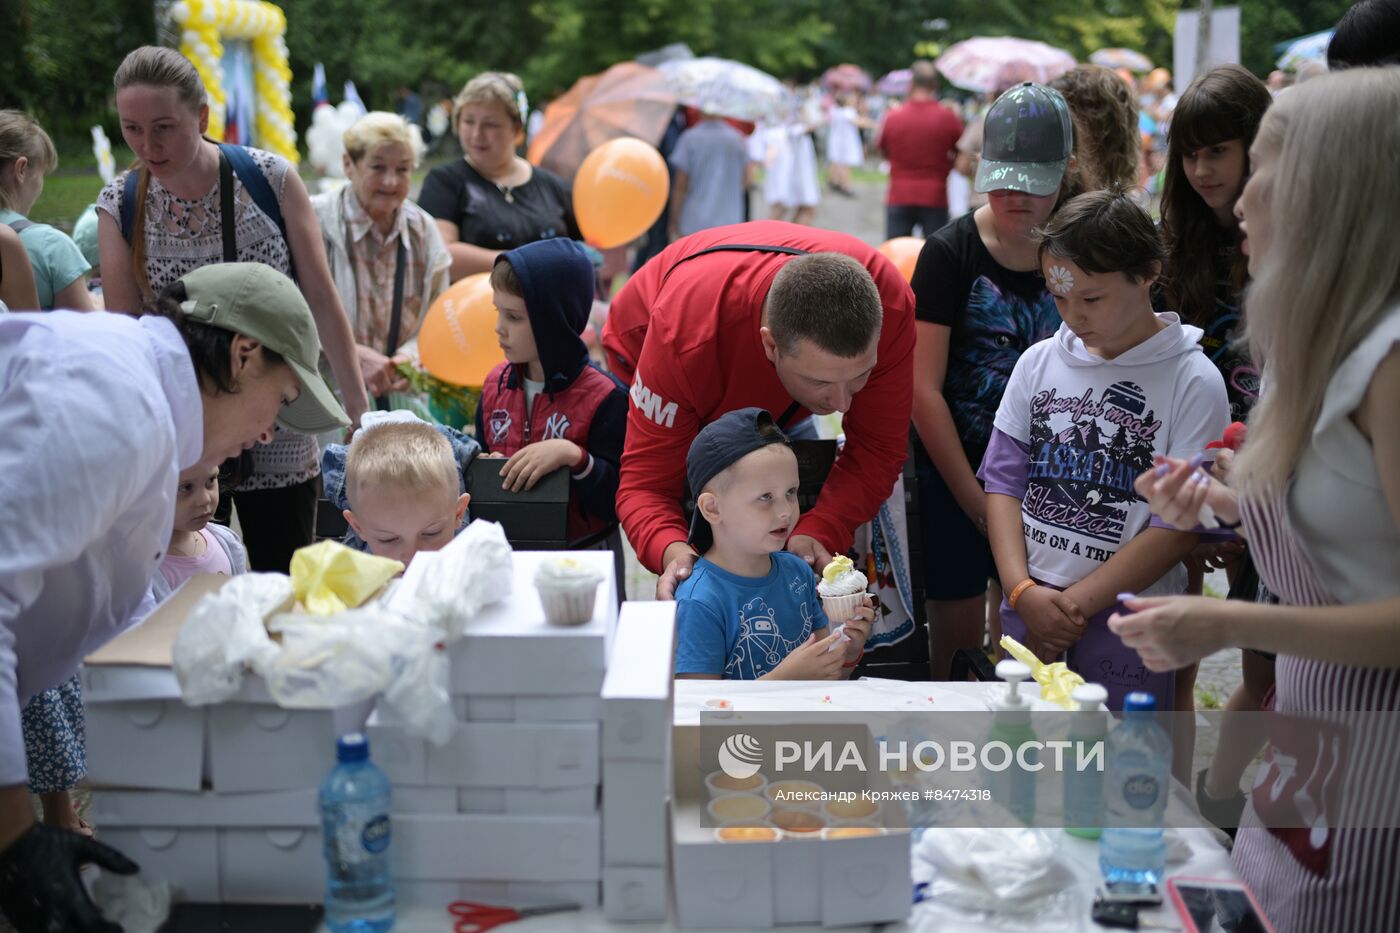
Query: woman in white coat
(100,412)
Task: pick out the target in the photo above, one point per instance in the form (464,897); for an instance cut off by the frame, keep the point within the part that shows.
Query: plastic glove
(1056,680)
(40,891)
(329,577)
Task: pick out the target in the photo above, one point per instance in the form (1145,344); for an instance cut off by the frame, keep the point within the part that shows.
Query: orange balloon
(619,191)
(457,342)
(903,251)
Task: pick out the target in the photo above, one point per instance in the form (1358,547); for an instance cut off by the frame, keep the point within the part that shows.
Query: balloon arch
(204,27)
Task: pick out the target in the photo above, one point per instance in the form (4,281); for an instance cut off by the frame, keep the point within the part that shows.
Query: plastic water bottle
(1135,795)
(355,836)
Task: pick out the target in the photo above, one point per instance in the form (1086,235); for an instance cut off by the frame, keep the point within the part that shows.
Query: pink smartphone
(1217,905)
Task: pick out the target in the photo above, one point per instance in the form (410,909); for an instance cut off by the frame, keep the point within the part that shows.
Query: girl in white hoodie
(1084,413)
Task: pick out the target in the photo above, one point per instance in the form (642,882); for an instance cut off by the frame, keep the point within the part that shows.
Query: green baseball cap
(257,301)
(1026,142)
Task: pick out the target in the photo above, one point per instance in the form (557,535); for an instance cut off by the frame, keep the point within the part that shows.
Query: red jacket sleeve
(661,423)
(877,431)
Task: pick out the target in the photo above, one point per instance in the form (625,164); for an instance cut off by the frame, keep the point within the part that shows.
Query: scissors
(478,918)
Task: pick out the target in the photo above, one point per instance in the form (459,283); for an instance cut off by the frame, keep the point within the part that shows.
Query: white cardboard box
(146,743)
(586,894)
(634,894)
(286,808)
(635,817)
(258,748)
(406,798)
(580,708)
(509,645)
(528,801)
(758,884)
(496,848)
(271,866)
(403,758)
(438,894)
(637,694)
(486,754)
(186,858)
(115,683)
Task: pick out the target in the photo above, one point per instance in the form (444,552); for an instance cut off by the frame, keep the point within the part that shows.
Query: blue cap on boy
(719,445)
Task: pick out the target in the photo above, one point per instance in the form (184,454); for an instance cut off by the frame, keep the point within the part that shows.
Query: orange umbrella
(626,100)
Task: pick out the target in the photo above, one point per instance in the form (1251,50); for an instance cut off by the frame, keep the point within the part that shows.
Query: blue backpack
(233,160)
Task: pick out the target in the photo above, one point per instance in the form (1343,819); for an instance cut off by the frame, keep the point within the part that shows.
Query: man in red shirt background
(690,333)
(920,139)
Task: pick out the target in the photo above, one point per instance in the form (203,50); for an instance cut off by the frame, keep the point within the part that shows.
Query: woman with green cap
(100,412)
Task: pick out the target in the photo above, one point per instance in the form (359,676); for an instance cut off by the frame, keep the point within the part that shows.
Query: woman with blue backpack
(193,202)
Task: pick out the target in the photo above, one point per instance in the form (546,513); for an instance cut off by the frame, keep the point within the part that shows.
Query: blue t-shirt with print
(743,627)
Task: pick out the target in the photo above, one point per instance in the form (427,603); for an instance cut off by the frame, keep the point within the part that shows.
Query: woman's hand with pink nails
(1170,632)
(1177,489)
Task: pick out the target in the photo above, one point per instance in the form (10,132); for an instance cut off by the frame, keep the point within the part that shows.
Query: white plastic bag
(419,699)
(448,588)
(1008,872)
(224,633)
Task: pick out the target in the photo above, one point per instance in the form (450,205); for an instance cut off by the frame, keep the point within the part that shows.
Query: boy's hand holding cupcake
(846,603)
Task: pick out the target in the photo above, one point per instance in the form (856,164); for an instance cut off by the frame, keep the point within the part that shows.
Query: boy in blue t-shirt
(749,609)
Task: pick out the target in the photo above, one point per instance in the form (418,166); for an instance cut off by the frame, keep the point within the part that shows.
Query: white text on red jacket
(652,405)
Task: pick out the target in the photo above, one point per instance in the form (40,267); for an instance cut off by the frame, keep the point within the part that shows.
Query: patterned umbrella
(846,77)
(1311,48)
(1122,58)
(896,83)
(626,100)
(993,63)
(725,88)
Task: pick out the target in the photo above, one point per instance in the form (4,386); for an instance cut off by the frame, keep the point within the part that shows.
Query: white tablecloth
(1203,854)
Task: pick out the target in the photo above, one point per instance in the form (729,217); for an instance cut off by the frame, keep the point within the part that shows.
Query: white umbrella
(725,88)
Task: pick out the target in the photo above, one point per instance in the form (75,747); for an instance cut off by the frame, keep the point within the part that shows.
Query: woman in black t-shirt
(493,200)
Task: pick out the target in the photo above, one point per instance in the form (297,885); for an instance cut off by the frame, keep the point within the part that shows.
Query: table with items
(552,782)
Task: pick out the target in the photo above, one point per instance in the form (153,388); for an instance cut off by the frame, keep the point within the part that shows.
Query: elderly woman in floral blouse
(386,255)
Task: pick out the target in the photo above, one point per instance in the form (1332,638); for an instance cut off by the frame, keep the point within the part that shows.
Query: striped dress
(1334,543)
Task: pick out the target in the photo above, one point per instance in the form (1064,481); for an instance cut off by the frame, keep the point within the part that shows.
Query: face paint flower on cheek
(1060,281)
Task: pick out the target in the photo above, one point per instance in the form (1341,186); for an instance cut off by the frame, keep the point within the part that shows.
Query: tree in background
(59,64)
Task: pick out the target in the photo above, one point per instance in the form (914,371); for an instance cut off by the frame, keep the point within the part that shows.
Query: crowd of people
(1059,364)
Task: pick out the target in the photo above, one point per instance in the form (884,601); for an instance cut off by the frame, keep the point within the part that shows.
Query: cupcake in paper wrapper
(842,589)
(568,590)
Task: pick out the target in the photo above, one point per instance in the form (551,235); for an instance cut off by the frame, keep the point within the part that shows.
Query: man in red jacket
(788,318)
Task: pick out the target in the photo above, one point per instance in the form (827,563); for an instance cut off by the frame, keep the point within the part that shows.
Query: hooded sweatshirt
(1074,431)
(579,402)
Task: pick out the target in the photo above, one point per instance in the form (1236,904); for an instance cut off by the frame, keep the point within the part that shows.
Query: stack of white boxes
(220,801)
(511,801)
(637,712)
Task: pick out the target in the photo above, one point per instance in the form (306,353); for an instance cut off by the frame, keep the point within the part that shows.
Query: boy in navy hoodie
(547,406)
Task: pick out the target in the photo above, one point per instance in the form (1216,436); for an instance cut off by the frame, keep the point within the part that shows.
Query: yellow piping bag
(329,577)
(1056,680)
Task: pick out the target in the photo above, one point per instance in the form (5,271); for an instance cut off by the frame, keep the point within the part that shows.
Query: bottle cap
(353,746)
(1087,697)
(1013,672)
(1139,702)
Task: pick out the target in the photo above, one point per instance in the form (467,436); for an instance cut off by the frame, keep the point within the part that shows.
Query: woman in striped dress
(1316,489)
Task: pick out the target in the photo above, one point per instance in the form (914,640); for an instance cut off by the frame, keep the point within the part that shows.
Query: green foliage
(55,65)
(61,53)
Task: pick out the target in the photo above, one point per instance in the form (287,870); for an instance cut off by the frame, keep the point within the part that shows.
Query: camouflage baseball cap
(1026,142)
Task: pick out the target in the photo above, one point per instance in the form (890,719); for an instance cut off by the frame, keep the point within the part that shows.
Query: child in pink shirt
(196,544)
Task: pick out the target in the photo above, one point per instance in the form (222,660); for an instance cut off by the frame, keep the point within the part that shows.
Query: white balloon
(180,11)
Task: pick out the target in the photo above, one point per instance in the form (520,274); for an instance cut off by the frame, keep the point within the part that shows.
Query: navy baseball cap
(1026,142)
(719,445)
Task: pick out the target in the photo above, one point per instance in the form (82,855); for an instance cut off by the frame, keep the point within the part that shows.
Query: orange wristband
(1020,588)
